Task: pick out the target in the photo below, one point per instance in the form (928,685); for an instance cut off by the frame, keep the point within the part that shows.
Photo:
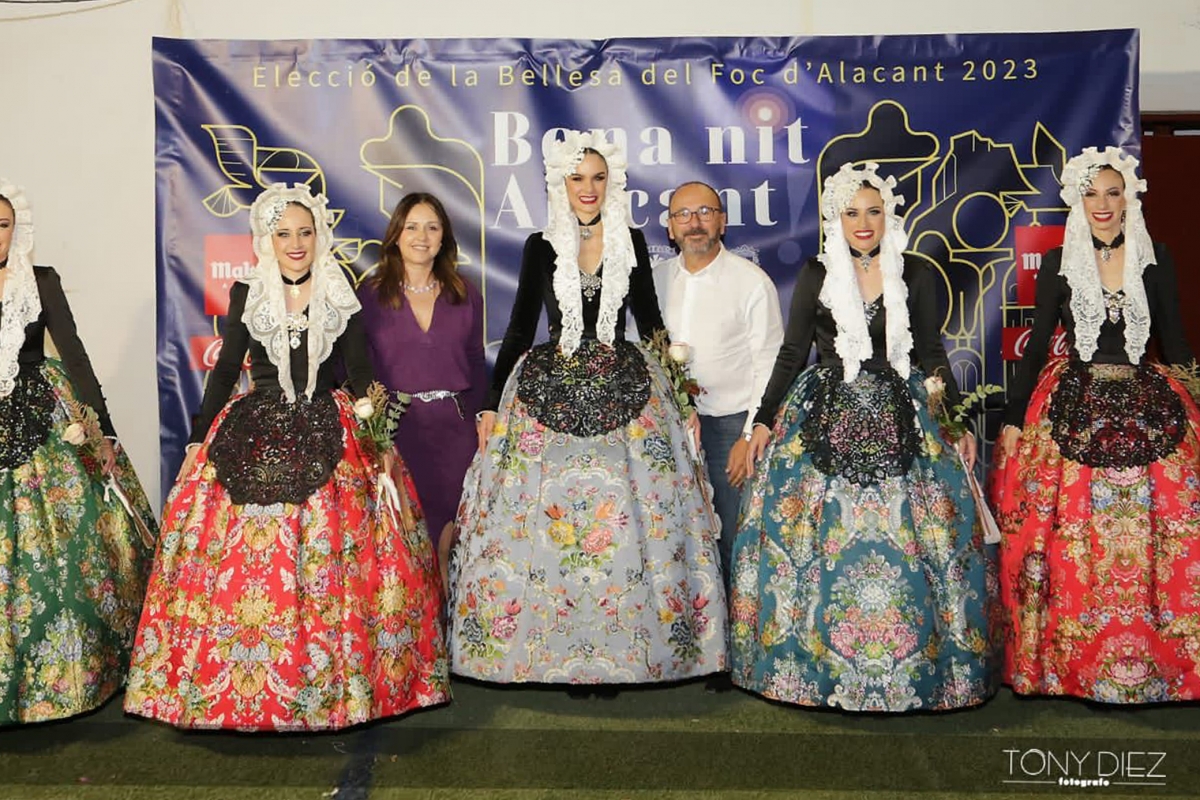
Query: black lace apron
(866,430)
(269,451)
(1115,415)
(25,417)
(594,391)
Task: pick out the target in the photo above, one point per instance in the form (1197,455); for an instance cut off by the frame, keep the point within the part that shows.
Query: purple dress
(436,439)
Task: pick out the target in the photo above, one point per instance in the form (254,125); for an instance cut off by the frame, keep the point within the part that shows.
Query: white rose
(363,408)
(679,352)
(74,434)
(934,385)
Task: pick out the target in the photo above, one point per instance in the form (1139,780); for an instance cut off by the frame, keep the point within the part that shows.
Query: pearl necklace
(426,289)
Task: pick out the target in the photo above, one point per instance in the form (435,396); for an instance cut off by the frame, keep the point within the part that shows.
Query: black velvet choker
(295,284)
(864,259)
(585,228)
(1106,249)
(297,281)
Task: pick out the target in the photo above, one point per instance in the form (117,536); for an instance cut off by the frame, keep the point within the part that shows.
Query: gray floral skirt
(587,559)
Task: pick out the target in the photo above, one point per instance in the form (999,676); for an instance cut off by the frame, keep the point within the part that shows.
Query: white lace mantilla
(562,232)
(840,292)
(1079,255)
(22,303)
(331,302)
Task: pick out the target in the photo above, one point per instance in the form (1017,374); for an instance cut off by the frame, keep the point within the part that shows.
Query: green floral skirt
(73,567)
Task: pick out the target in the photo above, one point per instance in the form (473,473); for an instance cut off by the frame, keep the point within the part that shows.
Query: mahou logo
(1013,342)
(226,259)
(1031,243)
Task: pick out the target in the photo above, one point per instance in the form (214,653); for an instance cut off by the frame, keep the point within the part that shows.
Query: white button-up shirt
(728,314)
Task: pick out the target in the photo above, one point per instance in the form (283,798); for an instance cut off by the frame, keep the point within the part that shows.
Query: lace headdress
(331,302)
(840,292)
(562,232)
(22,304)
(1079,259)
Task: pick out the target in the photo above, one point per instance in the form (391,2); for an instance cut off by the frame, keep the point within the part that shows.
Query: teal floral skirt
(861,580)
(73,566)
(587,558)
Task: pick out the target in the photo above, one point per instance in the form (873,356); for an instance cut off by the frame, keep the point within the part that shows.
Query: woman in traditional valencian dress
(588,544)
(75,527)
(860,577)
(1099,493)
(284,596)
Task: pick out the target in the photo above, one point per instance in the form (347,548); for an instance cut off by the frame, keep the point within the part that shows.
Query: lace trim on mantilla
(562,232)
(21,301)
(331,303)
(840,292)
(1079,260)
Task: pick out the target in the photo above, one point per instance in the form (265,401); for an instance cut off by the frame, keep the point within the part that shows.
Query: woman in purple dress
(424,326)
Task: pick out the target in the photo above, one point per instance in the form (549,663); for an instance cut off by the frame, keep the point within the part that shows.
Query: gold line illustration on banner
(252,167)
(249,168)
(410,157)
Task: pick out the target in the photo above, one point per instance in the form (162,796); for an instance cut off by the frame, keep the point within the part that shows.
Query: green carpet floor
(674,743)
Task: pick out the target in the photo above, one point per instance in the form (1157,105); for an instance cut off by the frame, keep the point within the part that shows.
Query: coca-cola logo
(1013,342)
(227,258)
(206,350)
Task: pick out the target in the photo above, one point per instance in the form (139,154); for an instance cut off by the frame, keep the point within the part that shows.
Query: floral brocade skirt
(587,558)
(73,563)
(1099,510)
(289,616)
(861,580)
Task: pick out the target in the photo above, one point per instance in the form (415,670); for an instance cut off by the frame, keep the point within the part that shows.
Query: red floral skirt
(316,615)
(1100,561)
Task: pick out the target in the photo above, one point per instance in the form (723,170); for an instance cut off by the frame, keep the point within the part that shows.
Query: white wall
(77,118)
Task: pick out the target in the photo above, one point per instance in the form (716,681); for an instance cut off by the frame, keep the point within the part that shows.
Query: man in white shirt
(726,309)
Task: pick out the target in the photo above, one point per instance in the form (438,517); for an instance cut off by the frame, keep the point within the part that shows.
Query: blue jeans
(717,436)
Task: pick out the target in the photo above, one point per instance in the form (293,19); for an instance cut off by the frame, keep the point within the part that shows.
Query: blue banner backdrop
(975,128)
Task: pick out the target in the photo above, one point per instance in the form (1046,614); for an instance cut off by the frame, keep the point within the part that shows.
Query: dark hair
(1111,168)
(591,151)
(388,281)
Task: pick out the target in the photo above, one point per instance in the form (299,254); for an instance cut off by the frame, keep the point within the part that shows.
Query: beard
(697,245)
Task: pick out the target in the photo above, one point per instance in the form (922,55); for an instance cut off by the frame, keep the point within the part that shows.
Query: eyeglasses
(684,215)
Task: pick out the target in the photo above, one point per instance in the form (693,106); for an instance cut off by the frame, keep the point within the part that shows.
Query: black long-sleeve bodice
(350,348)
(811,322)
(56,318)
(535,289)
(1053,305)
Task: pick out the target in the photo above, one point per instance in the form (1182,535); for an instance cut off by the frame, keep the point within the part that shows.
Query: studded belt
(434,395)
